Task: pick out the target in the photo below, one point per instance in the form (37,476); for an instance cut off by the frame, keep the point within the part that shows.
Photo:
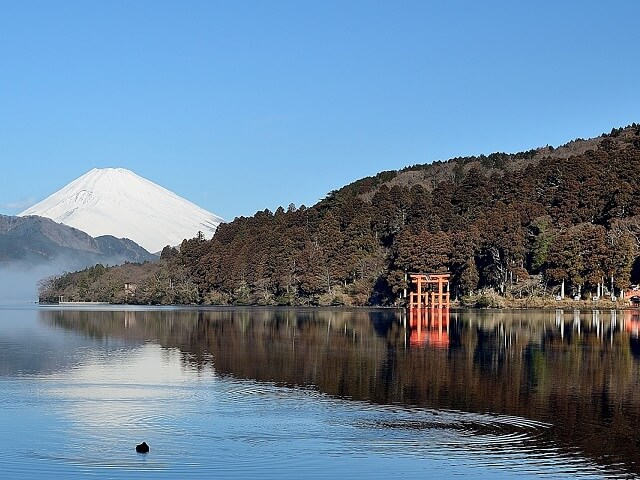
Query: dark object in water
(142,448)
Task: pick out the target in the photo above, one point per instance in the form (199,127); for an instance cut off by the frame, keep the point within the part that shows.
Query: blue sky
(245,105)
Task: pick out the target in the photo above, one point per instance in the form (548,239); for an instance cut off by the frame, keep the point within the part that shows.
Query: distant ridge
(35,241)
(117,202)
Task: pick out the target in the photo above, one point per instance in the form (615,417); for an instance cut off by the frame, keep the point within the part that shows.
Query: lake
(318,393)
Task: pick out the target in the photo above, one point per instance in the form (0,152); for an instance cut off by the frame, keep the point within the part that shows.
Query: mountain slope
(116,201)
(34,240)
(121,250)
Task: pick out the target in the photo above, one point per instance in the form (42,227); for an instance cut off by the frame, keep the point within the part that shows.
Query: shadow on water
(576,371)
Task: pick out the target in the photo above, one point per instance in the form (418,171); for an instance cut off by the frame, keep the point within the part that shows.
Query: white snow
(116,201)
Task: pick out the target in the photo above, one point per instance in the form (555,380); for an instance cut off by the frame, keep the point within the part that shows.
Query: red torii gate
(430,290)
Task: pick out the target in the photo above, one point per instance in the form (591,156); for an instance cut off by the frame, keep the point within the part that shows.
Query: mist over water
(19,281)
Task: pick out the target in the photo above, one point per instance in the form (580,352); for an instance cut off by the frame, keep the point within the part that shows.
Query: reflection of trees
(574,370)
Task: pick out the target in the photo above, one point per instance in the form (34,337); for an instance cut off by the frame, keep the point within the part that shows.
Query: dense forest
(512,224)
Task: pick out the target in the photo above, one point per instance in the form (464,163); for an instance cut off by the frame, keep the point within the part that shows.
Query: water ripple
(506,443)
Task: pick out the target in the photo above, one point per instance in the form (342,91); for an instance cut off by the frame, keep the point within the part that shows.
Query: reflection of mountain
(575,371)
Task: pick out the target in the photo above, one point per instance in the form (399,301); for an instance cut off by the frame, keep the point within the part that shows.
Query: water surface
(293,393)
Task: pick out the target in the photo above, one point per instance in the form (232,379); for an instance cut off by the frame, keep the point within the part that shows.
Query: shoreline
(495,303)
(549,303)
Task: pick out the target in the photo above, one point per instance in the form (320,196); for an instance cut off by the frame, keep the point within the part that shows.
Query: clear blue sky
(245,105)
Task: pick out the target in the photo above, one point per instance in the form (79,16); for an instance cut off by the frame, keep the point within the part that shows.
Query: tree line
(515,224)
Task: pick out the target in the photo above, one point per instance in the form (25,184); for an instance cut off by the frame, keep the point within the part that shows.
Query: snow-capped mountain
(116,201)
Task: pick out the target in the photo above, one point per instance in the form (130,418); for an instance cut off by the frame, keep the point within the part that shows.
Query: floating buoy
(142,448)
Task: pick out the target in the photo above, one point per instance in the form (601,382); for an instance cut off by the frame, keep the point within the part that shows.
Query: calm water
(286,393)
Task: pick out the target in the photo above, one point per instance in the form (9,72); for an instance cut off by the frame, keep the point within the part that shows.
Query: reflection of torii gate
(432,290)
(429,327)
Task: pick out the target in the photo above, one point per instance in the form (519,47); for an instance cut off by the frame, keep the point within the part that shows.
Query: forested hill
(518,224)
